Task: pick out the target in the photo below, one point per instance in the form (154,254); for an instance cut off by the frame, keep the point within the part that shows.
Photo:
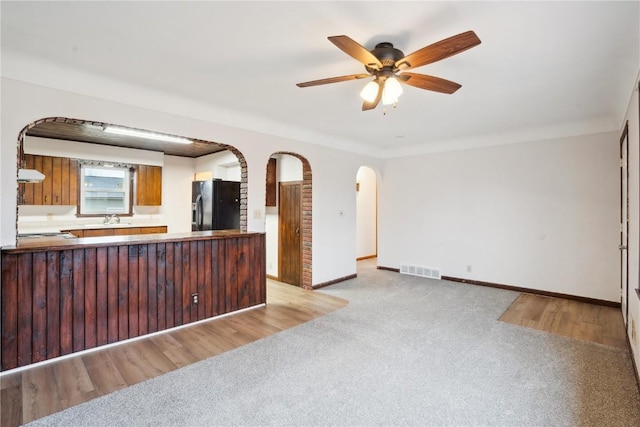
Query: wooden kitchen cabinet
(99,232)
(272,184)
(153,230)
(148,185)
(60,183)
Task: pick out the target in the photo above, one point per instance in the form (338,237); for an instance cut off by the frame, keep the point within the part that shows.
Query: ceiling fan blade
(423,81)
(439,50)
(371,105)
(356,51)
(333,80)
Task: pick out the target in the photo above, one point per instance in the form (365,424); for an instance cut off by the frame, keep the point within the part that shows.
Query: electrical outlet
(194,298)
(468,269)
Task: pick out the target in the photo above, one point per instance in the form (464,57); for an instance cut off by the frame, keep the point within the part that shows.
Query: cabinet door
(272,184)
(47,182)
(60,183)
(27,190)
(149,185)
(56,180)
(69,181)
(37,188)
(99,232)
(126,231)
(153,230)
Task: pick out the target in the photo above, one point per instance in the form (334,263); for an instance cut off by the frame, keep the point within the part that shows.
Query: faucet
(107,219)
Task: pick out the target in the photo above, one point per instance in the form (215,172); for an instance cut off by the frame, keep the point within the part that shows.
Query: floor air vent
(431,273)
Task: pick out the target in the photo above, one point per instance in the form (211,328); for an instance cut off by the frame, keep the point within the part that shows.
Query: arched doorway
(288,219)
(92,127)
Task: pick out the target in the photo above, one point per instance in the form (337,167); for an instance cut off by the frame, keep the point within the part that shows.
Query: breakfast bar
(65,295)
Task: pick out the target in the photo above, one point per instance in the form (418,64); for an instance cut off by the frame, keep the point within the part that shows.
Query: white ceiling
(544,69)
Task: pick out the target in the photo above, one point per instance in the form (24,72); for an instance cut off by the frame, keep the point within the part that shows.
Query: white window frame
(127,187)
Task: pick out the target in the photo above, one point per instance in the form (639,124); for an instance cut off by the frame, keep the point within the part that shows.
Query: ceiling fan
(387,65)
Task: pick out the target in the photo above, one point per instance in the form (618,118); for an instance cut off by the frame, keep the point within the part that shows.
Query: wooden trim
(638,288)
(277,279)
(366,257)
(381,267)
(624,199)
(534,291)
(334,281)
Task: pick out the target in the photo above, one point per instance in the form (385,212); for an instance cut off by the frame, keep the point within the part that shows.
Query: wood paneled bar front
(77,294)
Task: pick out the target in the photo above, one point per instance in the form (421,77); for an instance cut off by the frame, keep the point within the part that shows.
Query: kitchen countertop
(57,243)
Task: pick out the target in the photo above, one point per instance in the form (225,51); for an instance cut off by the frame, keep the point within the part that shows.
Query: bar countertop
(59,243)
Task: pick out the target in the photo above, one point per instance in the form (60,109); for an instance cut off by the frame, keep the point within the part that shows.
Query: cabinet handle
(45,199)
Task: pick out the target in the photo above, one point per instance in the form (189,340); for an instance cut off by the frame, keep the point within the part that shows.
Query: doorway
(289,227)
(624,223)
(290,242)
(366,214)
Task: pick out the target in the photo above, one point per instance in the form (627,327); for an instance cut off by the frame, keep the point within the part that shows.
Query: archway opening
(61,133)
(288,219)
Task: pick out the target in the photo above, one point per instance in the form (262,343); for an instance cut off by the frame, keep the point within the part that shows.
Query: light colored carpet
(405,351)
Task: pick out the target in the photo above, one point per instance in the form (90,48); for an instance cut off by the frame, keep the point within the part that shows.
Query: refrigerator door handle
(199,216)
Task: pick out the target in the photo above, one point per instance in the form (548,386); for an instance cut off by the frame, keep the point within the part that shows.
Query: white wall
(288,168)
(333,170)
(367,213)
(540,215)
(223,165)
(177,175)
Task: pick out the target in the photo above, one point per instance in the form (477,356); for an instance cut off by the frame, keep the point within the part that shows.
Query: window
(104,190)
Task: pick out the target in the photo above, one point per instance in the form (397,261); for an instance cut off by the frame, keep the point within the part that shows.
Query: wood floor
(574,319)
(39,391)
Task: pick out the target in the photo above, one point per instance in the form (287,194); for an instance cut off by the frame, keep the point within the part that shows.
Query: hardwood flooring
(36,392)
(574,319)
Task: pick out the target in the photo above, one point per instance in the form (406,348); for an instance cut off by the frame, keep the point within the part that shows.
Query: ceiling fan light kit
(387,65)
(391,91)
(370,91)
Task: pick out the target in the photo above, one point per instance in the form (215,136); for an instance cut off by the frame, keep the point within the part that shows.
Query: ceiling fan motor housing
(388,55)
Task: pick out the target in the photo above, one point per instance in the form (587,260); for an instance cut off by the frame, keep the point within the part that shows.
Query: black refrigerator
(215,205)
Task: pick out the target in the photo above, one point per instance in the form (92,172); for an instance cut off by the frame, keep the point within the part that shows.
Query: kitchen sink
(102,224)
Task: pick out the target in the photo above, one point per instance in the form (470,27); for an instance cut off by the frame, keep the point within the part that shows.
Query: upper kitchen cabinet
(272,184)
(148,185)
(60,183)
